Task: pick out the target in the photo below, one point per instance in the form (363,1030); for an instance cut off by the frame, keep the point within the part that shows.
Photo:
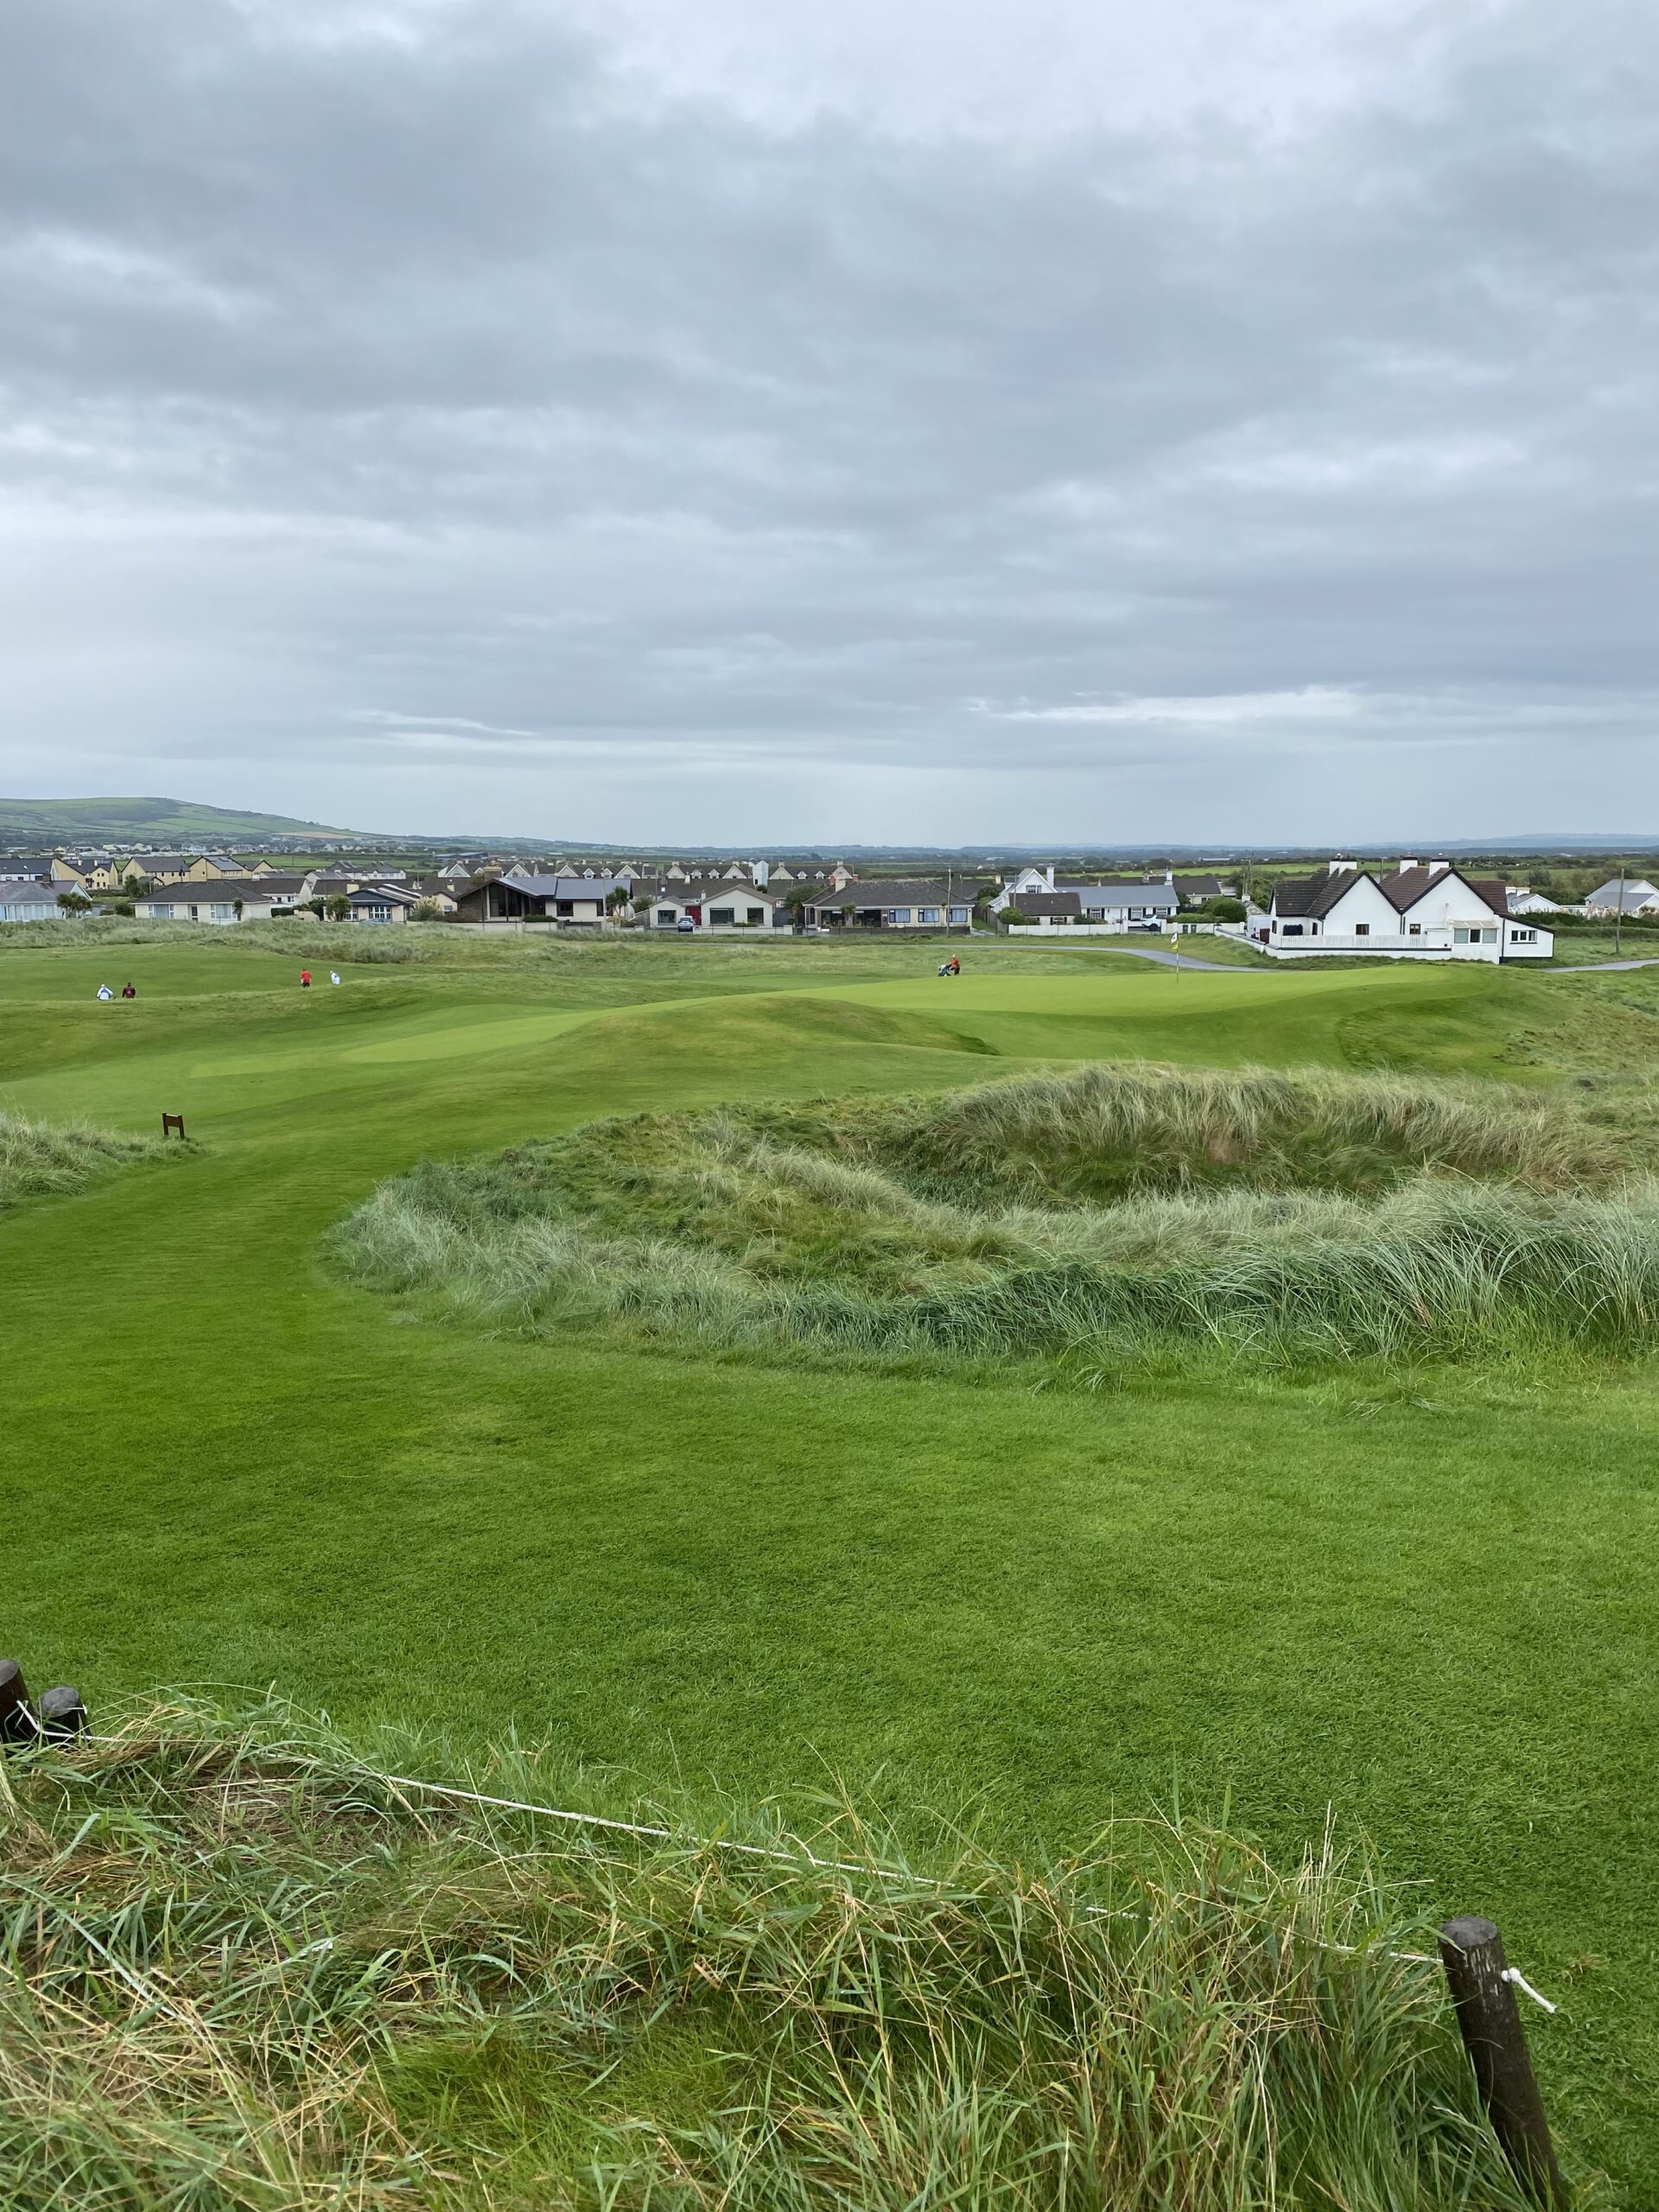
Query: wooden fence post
(1472,1952)
(62,1714)
(17,1721)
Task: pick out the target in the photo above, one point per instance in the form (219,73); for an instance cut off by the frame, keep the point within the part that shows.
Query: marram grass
(40,1159)
(1086,1221)
(242,1970)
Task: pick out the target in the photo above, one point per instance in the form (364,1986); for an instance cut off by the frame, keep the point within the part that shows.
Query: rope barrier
(771,1853)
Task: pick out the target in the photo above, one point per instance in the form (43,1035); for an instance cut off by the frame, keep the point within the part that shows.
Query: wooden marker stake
(1472,1952)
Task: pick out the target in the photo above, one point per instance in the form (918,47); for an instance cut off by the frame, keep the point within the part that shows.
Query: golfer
(305,979)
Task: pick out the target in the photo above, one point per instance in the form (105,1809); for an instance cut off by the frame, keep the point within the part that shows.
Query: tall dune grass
(242,1971)
(829,1226)
(38,1158)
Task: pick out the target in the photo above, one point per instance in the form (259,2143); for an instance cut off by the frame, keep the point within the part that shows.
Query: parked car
(685,925)
(1157,928)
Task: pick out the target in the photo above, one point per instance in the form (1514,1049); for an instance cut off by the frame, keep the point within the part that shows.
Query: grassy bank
(1105,1216)
(242,1970)
(47,1158)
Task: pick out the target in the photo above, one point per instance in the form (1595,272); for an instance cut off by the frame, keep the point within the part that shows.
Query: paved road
(1604,967)
(1186,960)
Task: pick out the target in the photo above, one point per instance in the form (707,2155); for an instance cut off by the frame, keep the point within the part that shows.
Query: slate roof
(1052,905)
(1309,897)
(883,892)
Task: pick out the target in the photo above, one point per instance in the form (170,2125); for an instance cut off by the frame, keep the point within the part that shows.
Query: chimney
(1439,867)
(1342,868)
(1408,861)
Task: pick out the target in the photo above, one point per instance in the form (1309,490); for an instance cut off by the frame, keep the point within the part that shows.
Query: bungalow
(1523,900)
(382,902)
(1107,909)
(1636,895)
(1117,905)
(31,898)
(1411,913)
(893,903)
(580,902)
(232,898)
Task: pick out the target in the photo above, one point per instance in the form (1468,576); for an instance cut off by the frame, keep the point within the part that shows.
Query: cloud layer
(734,423)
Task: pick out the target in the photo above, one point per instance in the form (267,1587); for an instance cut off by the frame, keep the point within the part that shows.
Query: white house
(1412,911)
(382,902)
(1525,900)
(895,903)
(31,898)
(1111,906)
(1636,894)
(232,898)
(724,907)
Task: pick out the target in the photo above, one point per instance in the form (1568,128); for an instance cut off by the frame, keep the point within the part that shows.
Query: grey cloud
(426,378)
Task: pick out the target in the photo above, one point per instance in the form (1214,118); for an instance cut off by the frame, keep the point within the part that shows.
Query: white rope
(1514,1974)
(776,1856)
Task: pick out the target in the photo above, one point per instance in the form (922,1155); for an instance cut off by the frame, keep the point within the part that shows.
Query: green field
(1426,1602)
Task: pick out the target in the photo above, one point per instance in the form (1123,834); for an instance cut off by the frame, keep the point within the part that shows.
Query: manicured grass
(1427,1602)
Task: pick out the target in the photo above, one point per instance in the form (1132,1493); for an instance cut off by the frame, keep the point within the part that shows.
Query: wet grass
(244,1970)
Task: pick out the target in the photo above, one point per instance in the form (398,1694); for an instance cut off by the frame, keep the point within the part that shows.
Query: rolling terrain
(1423,1600)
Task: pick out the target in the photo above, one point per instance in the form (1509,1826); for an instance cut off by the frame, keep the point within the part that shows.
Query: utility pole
(1618,918)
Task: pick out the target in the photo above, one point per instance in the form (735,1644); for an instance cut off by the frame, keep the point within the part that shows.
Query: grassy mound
(41,1159)
(1110,1215)
(244,1970)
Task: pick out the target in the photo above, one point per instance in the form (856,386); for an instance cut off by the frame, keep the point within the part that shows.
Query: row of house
(688,906)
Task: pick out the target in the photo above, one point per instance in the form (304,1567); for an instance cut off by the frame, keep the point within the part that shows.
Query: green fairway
(1427,1604)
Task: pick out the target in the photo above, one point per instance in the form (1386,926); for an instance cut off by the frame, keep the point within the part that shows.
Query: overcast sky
(742,421)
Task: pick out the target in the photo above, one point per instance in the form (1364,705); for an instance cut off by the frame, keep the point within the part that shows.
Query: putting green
(457,1033)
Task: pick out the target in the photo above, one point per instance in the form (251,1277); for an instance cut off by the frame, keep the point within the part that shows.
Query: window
(1291,929)
(929,913)
(1523,937)
(1415,929)
(958,913)
(221,913)
(566,907)
(1362,929)
(721,916)
(1463,934)
(899,914)
(753,915)
(161,912)
(666,919)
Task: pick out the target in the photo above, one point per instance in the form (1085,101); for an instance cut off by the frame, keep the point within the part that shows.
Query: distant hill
(147,821)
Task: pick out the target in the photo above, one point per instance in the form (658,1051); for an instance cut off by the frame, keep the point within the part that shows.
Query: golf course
(1414,1598)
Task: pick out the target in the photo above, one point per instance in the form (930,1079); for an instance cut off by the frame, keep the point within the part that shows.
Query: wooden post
(171,1121)
(17,1721)
(62,1714)
(1472,1952)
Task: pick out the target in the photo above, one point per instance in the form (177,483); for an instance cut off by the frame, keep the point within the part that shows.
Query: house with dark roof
(1414,911)
(892,903)
(31,898)
(582,902)
(380,903)
(741,905)
(227,898)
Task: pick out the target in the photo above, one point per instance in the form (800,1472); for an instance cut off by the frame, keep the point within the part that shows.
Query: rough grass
(39,1159)
(244,1970)
(1108,1215)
